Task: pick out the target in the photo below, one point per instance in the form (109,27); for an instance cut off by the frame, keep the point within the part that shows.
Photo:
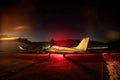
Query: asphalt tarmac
(22,66)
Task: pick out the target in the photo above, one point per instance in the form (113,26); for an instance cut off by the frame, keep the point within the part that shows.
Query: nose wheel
(48,55)
(64,55)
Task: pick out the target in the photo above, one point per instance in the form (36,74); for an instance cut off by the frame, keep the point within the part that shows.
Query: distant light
(105,47)
(23,27)
(11,38)
(113,35)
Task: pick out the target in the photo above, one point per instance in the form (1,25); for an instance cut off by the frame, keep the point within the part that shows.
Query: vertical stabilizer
(83,44)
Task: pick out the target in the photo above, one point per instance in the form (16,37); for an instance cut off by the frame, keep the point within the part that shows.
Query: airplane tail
(21,48)
(83,44)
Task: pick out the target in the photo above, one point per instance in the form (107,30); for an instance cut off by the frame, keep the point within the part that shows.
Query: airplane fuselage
(59,49)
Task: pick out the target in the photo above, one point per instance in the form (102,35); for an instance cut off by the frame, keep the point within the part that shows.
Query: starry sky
(45,20)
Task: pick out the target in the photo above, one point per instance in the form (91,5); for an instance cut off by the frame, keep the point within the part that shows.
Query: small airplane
(81,48)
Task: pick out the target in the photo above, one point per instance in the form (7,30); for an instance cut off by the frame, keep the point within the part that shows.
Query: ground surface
(22,66)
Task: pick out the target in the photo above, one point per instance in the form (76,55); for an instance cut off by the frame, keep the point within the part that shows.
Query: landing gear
(64,55)
(48,55)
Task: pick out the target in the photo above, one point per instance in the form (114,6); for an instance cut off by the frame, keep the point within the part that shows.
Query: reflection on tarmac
(17,66)
(13,72)
(87,69)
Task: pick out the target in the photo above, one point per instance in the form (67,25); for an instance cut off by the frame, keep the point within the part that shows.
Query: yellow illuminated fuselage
(82,47)
(63,49)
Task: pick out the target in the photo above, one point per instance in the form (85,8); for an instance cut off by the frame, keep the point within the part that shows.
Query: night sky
(45,20)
